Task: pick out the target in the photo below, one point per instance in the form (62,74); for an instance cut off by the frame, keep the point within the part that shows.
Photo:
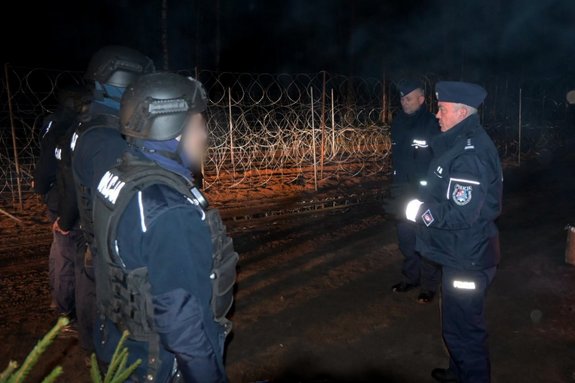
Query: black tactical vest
(124,295)
(84,192)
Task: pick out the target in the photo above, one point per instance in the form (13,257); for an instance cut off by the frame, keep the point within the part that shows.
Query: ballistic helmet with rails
(156,107)
(118,66)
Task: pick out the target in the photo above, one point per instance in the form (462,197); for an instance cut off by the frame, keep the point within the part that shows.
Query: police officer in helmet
(456,214)
(159,242)
(96,144)
(412,130)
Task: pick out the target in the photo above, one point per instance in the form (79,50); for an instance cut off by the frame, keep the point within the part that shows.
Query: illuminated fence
(263,128)
(287,128)
(293,126)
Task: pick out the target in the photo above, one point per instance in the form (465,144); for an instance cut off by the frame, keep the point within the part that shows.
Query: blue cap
(460,92)
(407,86)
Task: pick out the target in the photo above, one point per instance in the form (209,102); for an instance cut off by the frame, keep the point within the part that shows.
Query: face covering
(111,95)
(168,155)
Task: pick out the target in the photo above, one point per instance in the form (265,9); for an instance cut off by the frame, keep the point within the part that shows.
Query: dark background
(451,38)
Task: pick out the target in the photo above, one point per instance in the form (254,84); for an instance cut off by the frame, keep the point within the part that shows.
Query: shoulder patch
(427,218)
(469,145)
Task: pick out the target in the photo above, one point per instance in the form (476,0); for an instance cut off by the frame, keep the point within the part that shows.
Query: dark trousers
(85,298)
(415,268)
(463,323)
(62,265)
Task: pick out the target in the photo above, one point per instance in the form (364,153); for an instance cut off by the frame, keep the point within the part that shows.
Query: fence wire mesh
(281,127)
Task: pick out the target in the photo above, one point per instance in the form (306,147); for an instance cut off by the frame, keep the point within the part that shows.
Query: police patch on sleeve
(427,218)
(462,194)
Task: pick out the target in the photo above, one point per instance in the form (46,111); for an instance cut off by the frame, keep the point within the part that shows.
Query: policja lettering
(110,186)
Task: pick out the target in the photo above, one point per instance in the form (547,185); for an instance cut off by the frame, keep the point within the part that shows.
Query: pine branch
(12,366)
(51,378)
(40,347)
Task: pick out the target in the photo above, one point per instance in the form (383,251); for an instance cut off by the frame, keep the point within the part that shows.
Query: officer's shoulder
(160,198)
(479,143)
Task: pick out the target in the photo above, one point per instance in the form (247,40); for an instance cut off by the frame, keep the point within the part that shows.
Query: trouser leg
(85,298)
(412,260)
(430,275)
(63,258)
(463,323)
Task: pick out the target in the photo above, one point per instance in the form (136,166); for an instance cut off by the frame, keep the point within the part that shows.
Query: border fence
(285,127)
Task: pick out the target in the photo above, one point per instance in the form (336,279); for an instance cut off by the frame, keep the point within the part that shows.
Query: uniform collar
(446,140)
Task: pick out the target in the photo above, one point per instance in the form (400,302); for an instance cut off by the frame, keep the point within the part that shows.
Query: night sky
(459,39)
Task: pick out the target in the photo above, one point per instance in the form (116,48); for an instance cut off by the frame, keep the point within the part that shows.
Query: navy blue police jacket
(46,170)
(411,135)
(67,206)
(97,150)
(164,231)
(462,199)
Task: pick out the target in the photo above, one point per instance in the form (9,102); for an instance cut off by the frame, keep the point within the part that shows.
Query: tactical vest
(124,295)
(84,192)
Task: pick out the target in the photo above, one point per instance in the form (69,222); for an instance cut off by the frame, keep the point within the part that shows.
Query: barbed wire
(262,126)
(274,127)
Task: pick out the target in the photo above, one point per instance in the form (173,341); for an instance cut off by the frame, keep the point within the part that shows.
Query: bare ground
(313,302)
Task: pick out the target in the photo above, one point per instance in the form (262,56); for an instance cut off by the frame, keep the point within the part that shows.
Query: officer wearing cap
(412,130)
(456,213)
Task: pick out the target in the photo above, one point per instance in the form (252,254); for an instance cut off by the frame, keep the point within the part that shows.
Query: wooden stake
(14,148)
(332,125)
(322,126)
(313,142)
(231,133)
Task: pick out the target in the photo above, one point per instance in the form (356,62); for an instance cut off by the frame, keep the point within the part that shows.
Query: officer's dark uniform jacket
(164,249)
(411,152)
(462,199)
(96,145)
(68,209)
(46,171)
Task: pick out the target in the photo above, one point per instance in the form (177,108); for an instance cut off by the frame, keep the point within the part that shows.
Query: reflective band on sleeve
(464,285)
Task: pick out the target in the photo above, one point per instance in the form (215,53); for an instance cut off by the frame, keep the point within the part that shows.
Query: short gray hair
(470,110)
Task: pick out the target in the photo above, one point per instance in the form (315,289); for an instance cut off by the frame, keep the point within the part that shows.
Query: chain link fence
(289,128)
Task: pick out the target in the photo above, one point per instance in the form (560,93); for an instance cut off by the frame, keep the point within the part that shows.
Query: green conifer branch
(51,378)
(32,358)
(12,366)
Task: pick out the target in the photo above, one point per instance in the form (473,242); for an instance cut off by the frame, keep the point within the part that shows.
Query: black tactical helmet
(118,66)
(156,106)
